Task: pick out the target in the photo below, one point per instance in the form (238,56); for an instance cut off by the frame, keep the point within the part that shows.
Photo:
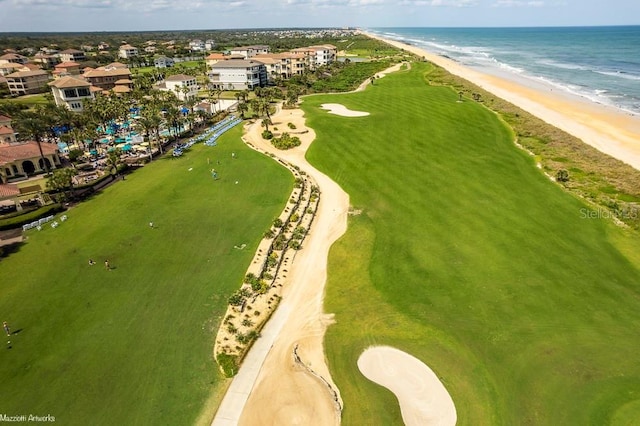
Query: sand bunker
(339,109)
(423,399)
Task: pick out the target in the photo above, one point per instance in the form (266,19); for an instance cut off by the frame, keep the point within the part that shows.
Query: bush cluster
(286,141)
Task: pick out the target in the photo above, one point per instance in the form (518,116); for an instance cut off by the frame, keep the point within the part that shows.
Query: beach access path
(607,129)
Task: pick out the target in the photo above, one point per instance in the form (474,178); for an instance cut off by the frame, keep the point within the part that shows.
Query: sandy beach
(605,128)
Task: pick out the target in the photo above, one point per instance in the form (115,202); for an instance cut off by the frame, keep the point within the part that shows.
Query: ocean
(601,64)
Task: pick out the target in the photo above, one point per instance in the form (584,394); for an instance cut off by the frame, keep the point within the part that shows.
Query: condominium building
(127,51)
(248,52)
(27,82)
(183,86)
(238,74)
(106,77)
(72,55)
(71,92)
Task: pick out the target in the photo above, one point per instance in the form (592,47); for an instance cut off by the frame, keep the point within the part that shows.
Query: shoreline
(603,127)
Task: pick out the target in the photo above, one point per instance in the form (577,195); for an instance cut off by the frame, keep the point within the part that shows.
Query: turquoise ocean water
(601,64)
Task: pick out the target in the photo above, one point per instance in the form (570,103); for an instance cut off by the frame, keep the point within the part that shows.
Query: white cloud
(518,3)
(439,3)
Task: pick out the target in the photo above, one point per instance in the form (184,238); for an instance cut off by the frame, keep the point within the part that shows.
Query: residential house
(72,55)
(214,58)
(13,58)
(206,107)
(103,46)
(49,50)
(210,44)
(10,67)
(115,66)
(27,82)
(150,49)
(71,92)
(87,47)
(163,62)
(47,61)
(127,51)
(177,84)
(250,51)
(238,74)
(66,68)
(30,67)
(196,45)
(106,77)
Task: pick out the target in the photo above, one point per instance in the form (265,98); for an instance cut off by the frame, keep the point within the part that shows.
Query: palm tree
(150,122)
(242,108)
(32,125)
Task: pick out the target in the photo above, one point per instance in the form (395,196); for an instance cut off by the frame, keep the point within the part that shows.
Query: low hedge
(17,221)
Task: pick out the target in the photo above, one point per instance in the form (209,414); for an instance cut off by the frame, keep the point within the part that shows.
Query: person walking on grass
(107,266)
(6,328)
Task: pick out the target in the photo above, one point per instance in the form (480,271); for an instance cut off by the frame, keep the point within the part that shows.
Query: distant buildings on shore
(71,81)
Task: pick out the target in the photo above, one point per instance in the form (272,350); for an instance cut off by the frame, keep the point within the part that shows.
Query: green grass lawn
(134,345)
(469,258)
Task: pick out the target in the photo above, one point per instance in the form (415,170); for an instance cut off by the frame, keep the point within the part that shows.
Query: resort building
(183,86)
(318,56)
(27,82)
(47,61)
(127,51)
(238,74)
(18,161)
(284,65)
(13,58)
(11,67)
(163,62)
(72,55)
(250,51)
(106,77)
(214,58)
(66,68)
(71,92)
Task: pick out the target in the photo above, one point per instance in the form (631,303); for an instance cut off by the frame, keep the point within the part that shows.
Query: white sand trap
(423,399)
(339,109)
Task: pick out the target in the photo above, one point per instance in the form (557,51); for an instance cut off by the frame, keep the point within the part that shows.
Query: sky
(131,15)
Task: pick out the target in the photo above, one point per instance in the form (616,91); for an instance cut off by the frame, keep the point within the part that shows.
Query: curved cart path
(273,386)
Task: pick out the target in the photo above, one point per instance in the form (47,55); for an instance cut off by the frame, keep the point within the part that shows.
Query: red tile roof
(23,151)
(68,65)
(9,190)
(6,130)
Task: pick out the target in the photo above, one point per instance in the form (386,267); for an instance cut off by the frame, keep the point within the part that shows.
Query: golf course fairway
(463,254)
